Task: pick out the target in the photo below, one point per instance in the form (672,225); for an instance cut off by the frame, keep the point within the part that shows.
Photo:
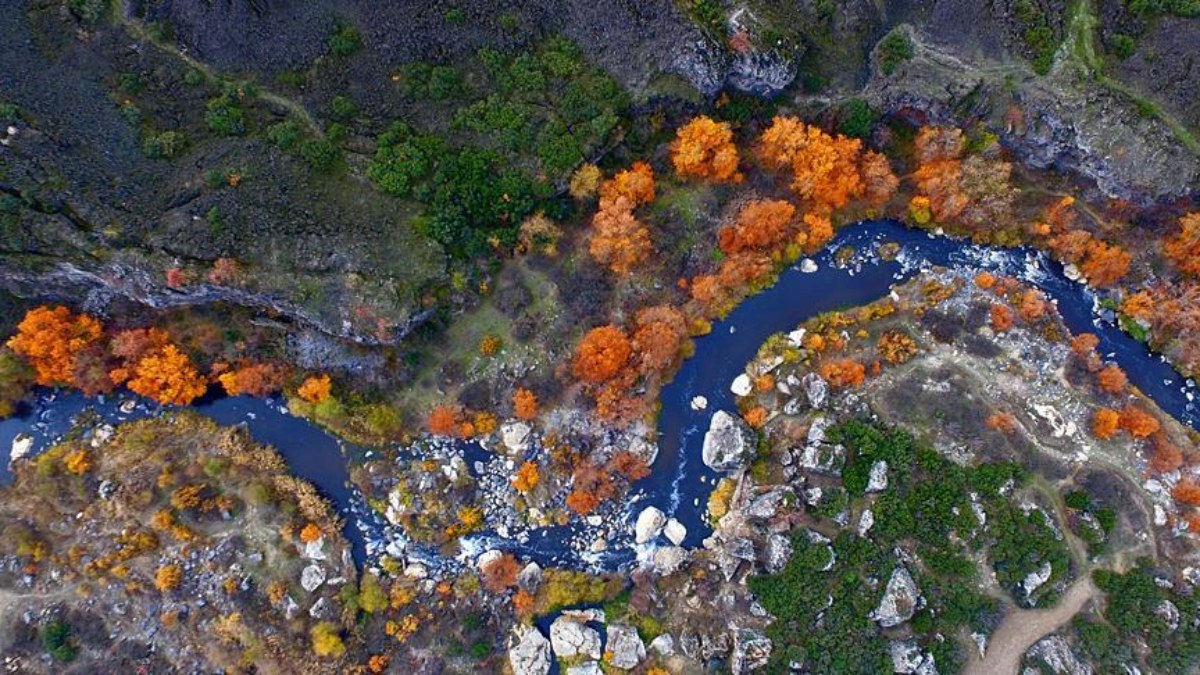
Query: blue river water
(680,482)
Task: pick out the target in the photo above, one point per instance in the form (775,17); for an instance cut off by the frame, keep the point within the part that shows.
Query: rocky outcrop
(625,648)
(751,650)
(900,600)
(531,653)
(570,638)
(729,444)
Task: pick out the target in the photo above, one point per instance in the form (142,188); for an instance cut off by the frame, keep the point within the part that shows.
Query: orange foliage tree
(601,354)
(1112,379)
(619,240)
(316,388)
(1002,422)
(761,225)
(1184,248)
(843,372)
(825,169)
(635,184)
(259,379)
(704,148)
(1105,423)
(444,420)
(525,404)
(1138,422)
(659,334)
(51,338)
(1167,456)
(527,477)
(167,376)
(1002,317)
(500,573)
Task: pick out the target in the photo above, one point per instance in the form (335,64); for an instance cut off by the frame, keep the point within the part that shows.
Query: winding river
(680,483)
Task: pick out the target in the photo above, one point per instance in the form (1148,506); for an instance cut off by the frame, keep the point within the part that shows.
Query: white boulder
(649,524)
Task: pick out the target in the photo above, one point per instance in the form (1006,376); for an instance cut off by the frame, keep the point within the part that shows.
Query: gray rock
(751,650)
(906,656)
(319,608)
(649,524)
(816,389)
(624,647)
(1169,613)
(865,522)
(589,668)
(315,550)
(531,653)
(765,505)
(1035,579)
(761,73)
(570,638)
(22,445)
(900,600)
(729,444)
(777,552)
(741,385)
(530,577)
(1056,653)
(311,577)
(663,645)
(877,481)
(675,532)
(668,559)
(106,489)
(515,436)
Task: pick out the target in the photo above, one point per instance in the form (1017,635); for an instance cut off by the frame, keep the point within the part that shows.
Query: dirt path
(1022,628)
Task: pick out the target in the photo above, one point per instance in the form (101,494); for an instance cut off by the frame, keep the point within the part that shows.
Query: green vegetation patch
(894,49)
(928,509)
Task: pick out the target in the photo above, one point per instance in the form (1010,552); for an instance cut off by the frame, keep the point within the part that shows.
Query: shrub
(284,134)
(166,145)
(1123,46)
(322,154)
(342,107)
(56,638)
(857,119)
(224,116)
(326,641)
(345,41)
(895,48)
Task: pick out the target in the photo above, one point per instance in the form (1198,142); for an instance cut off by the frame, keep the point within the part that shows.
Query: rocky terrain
(166,543)
(394,214)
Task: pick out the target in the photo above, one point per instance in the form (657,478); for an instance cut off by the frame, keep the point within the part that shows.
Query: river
(680,483)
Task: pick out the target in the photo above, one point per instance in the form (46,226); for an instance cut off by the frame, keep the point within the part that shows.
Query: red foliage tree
(259,379)
(1112,379)
(1138,422)
(843,373)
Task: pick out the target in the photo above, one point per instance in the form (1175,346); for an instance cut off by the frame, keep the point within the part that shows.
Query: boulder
(530,577)
(487,558)
(808,266)
(1035,579)
(22,445)
(588,668)
(751,650)
(675,532)
(531,653)
(625,648)
(765,505)
(777,552)
(729,444)
(699,403)
(668,559)
(102,434)
(515,436)
(1056,653)
(649,524)
(570,638)
(315,550)
(663,645)
(865,522)
(907,657)
(312,577)
(900,600)
(877,480)
(416,571)
(816,389)
(741,385)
